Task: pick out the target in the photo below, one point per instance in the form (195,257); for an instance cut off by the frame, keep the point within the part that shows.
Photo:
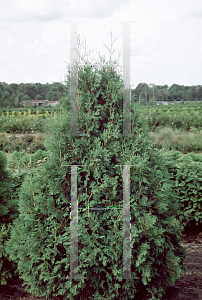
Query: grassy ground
(168,138)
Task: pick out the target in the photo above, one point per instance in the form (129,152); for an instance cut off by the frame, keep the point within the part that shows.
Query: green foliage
(28,142)
(27,91)
(185,117)
(37,144)
(9,188)
(40,240)
(39,97)
(143,93)
(175,92)
(185,173)
(3,142)
(26,97)
(28,138)
(3,162)
(39,155)
(22,125)
(19,160)
(176,116)
(23,160)
(167,138)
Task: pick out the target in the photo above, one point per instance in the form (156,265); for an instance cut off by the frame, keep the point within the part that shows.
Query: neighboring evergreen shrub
(3,142)
(36,145)
(185,173)
(40,240)
(19,160)
(39,155)
(23,160)
(8,212)
(23,125)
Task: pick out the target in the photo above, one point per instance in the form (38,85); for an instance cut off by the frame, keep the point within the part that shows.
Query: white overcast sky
(166,40)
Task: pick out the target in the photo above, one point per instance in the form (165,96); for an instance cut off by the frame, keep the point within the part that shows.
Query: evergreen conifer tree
(40,241)
(8,212)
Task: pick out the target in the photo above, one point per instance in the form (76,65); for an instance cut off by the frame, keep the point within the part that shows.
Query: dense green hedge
(176,116)
(9,193)
(10,185)
(185,173)
(41,110)
(28,143)
(22,125)
(23,160)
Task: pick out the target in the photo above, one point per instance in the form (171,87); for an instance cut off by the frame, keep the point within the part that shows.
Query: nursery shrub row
(182,117)
(185,173)
(41,110)
(29,114)
(22,125)
(28,142)
(178,117)
(22,160)
(10,185)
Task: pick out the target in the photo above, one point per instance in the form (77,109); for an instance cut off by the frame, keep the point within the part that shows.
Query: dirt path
(189,287)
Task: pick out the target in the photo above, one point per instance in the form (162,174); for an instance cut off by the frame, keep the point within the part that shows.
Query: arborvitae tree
(40,241)
(8,212)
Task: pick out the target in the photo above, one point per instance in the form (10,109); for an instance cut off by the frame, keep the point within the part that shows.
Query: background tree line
(144,92)
(12,95)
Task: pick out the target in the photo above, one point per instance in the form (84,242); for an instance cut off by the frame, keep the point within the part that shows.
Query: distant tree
(199,92)
(54,96)
(5,99)
(6,103)
(12,100)
(193,90)
(40,89)
(1,87)
(5,96)
(20,96)
(54,88)
(30,90)
(21,88)
(25,97)
(49,95)
(180,95)
(17,103)
(5,87)
(142,91)
(46,88)
(38,97)
(13,87)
